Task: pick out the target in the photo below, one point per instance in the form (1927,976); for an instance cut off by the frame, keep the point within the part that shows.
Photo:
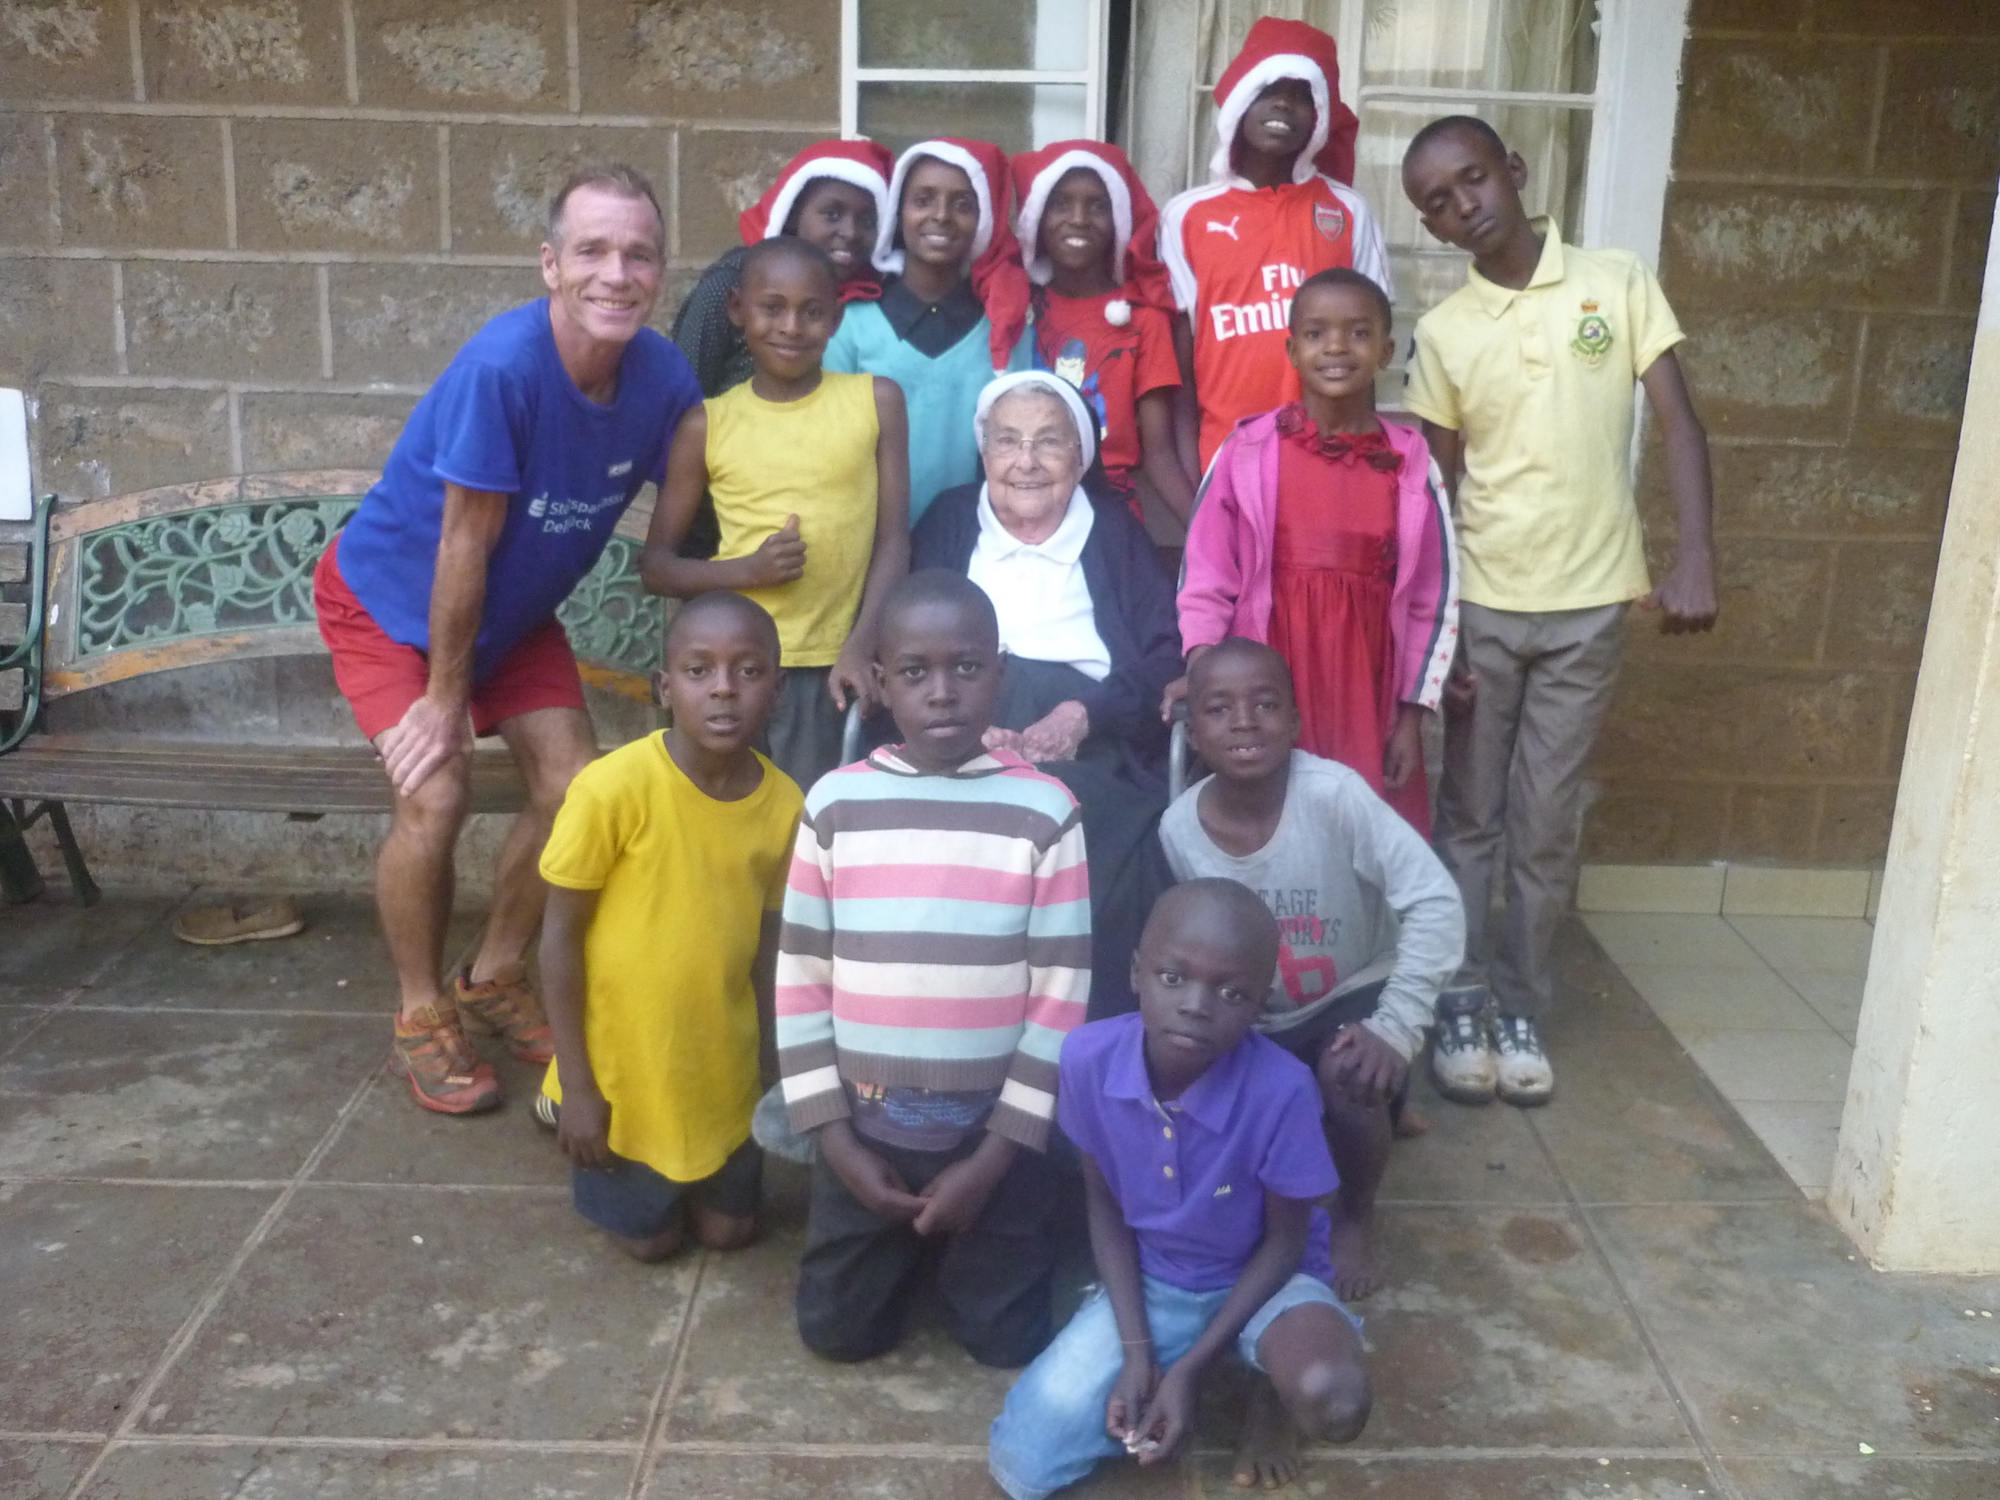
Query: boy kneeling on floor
(1203,1163)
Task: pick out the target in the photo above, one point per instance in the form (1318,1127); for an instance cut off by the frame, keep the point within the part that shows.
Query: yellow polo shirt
(1540,383)
(669,1014)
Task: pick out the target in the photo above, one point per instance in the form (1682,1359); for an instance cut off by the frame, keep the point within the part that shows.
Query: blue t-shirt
(506,417)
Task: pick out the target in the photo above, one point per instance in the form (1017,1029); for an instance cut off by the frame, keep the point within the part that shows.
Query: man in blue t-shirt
(438,602)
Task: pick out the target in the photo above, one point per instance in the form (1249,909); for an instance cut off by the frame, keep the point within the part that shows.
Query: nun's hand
(1058,734)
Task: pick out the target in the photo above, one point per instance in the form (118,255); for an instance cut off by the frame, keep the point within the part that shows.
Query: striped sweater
(936,936)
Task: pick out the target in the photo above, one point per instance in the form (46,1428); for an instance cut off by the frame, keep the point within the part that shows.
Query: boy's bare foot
(1267,1455)
(1411,1123)
(1356,1271)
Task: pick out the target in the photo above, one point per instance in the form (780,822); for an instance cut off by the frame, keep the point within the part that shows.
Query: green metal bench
(122,589)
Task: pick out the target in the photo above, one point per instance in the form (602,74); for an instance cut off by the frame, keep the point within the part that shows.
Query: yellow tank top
(814,458)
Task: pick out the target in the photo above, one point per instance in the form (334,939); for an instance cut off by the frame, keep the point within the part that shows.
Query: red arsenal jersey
(1237,255)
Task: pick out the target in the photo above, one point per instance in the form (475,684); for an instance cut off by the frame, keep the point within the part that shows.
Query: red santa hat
(862,163)
(995,270)
(1135,262)
(1287,49)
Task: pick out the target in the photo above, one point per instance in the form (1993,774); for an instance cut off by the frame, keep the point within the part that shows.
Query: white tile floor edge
(1724,889)
(1766,1005)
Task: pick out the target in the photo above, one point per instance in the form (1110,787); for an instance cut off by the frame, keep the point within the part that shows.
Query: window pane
(1554,142)
(975,34)
(1519,46)
(1014,116)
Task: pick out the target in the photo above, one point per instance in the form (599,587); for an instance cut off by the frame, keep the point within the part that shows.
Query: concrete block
(64,49)
(1643,821)
(1942,118)
(1759,373)
(104,442)
(1727,246)
(1755,891)
(55,319)
(1913,385)
(27,214)
(1773,596)
(1901,18)
(403,323)
(503,176)
(1807,103)
(723,172)
(1729,720)
(1689,890)
(1772,821)
(1765,490)
(710,59)
(217,321)
(1968,250)
(1746,15)
(282,431)
(140,182)
(243,51)
(336,185)
(432,54)
(1881,603)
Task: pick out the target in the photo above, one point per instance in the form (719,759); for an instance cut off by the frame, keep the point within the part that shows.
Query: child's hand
(779,558)
(876,1186)
(1686,600)
(850,679)
(1363,1066)
(996,738)
(1403,756)
(954,1199)
(1168,1415)
(583,1128)
(1136,1383)
(1172,698)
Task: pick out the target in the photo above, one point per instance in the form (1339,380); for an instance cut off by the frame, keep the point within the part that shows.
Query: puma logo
(1216,226)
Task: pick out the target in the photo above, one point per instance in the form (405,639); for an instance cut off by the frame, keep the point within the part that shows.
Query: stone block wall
(1824,242)
(244,235)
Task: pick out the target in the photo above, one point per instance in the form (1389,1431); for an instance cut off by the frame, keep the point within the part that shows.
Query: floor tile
(142,1472)
(771,1476)
(389,1139)
(1783,1339)
(1471,1154)
(338,963)
(1775,1065)
(411,1312)
(94,1279)
(151,1094)
(41,1471)
(1801,1136)
(747,1378)
(1853,1476)
(1694,1000)
(1329,1476)
(1836,997)
(1592,993)
(1818,944)
(1633,1120)
(52,944)
(16,1021)
(1500,1328)
(1696,942)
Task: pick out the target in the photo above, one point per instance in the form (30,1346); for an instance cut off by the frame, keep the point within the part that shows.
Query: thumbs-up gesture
(779,558)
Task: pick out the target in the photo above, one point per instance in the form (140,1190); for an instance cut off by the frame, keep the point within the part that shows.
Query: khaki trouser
(1514,759)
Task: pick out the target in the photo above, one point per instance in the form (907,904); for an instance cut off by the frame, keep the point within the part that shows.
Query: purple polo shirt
(1190,1176)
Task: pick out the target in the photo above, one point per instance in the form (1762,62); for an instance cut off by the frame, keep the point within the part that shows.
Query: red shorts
(381,678)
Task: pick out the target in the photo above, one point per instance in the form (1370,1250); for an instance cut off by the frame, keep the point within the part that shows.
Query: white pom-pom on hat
(1118,312)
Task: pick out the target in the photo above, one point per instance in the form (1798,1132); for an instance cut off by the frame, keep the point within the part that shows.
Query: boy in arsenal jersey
(1277,210)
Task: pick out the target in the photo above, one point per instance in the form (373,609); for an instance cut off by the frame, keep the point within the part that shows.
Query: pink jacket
(1226,577)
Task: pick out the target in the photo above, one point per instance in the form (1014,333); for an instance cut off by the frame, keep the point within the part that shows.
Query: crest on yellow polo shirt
(1593,335)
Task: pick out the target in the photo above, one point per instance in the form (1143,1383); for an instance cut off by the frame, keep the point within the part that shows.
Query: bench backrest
(222,571)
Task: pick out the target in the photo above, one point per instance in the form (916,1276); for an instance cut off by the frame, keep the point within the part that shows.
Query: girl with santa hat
(834,194)
(1277,210)
(954,306)
(1102,307)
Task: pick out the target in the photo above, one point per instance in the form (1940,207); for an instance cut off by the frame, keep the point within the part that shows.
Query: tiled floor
(1767,1006)
(234,1262)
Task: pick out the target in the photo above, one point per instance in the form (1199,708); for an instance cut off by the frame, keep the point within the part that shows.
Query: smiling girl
(954,305)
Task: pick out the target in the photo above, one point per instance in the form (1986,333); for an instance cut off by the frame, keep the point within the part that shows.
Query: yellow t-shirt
(1540,382)
(813,458)
(669,1014)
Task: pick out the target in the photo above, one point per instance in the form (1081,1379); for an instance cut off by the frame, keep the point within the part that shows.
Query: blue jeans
(1051,1432)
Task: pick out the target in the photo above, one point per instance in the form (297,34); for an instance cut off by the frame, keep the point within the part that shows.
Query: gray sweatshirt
(1358,897)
